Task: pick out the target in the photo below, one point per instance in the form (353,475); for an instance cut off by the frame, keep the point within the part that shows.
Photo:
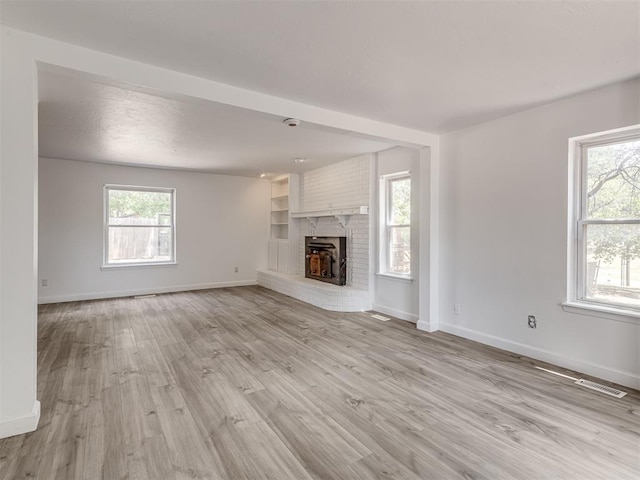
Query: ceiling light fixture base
(291,122)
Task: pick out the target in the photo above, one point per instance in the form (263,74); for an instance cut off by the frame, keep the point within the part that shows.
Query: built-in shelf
(282,255)
(341,214)
(280,208)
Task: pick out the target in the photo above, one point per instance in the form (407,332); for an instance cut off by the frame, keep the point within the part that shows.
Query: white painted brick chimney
(342,184)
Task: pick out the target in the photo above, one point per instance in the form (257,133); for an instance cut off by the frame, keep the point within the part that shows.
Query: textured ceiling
(82,118)
(433,66)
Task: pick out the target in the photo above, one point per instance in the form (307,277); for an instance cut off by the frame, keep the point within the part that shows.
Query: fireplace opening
(326,259)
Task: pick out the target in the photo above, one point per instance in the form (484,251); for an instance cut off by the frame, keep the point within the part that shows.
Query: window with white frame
(139,225)
(395,224)
(605,236)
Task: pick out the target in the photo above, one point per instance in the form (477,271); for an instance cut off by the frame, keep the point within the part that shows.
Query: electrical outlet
(456,309)
(45,282)
(532,322)
(236,270)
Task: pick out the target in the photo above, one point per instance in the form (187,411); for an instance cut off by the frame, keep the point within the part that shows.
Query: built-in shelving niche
(283,239)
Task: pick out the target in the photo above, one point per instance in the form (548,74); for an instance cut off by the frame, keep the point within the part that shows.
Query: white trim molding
(395,278)
(409,317)
(602,311)
(628,379)
(425,326)
(143,291)
(18,426)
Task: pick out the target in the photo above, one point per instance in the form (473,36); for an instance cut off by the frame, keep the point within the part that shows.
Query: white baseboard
(409,317)
(143,291)
(425,326)
(623,378)
(18,426)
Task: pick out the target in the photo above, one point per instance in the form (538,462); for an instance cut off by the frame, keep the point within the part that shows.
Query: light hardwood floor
(245,383)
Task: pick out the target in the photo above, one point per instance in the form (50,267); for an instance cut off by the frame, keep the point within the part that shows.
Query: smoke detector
(291,122)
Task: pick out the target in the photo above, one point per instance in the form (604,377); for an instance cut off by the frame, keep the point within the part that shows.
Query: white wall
(221,223)
(399,297)
(503,235)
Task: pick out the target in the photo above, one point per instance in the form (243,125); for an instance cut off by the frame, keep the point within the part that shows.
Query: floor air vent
(601,388)
(380,317)
(614,392)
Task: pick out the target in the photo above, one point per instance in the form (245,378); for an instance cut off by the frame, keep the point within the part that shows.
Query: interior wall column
(19,409)
(429,234)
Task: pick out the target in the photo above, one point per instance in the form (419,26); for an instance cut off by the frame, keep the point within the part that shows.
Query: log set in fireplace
(326,259)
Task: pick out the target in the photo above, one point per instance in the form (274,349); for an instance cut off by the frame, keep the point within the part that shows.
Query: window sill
(618,314)
(396,278)
(120,266)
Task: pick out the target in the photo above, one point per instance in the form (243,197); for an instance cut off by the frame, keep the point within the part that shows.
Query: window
(395,223)
(605,254)
(139,225)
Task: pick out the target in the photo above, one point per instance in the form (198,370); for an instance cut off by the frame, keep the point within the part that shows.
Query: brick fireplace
(340,186)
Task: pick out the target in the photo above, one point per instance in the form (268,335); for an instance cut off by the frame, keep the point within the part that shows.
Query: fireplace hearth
(326,259)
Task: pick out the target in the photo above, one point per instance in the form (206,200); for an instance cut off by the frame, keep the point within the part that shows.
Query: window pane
(613,180)
(129,207)
(400,250)
(400,191)
(140,244)
(612,273)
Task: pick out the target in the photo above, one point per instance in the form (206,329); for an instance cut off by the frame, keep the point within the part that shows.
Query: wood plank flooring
(245,383)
